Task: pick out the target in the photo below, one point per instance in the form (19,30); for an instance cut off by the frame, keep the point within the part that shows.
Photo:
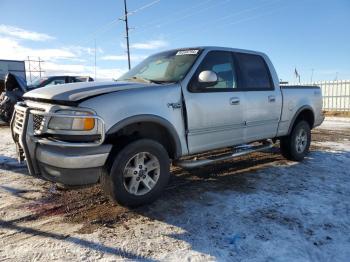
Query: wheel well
(140,130)
(306,115)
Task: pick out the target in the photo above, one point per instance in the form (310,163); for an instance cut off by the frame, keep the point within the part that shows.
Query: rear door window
(254,73)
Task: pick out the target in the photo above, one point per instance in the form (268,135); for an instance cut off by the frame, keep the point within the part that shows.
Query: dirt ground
(337,113)
(259,207)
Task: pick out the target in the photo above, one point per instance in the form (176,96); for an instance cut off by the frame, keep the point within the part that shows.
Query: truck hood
(75,92)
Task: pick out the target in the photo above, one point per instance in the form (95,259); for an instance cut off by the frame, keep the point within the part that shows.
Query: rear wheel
(139,173)
(296,146)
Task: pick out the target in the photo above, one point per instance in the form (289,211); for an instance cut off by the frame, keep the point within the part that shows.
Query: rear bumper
(319,120)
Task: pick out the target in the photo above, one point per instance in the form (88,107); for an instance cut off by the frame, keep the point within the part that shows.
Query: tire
(296,146)
(284,147)
(139,173)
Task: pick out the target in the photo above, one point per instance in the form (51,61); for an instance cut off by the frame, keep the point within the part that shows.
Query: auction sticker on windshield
(187,52)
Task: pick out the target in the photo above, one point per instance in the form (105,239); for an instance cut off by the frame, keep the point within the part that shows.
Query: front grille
(38,121)
(19,119)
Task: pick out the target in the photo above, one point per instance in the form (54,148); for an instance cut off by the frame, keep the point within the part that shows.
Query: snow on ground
(258,208)
(336,123)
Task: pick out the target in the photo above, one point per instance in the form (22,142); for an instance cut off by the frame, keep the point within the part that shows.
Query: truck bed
(298,97)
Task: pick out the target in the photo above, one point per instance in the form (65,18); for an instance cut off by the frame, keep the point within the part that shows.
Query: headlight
(72,123)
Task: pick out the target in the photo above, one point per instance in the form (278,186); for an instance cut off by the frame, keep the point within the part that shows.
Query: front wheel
(139,173)
(296,146)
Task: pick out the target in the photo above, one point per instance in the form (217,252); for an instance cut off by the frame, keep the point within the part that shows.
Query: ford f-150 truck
(125,134)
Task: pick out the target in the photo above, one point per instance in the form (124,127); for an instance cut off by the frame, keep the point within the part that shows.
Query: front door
(214,113)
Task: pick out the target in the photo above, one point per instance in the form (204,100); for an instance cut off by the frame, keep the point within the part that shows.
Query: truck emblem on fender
(174,105)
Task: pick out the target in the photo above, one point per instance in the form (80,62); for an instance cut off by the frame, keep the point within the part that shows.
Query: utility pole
(95,59)
(39,61)
(30,72)
(126,32)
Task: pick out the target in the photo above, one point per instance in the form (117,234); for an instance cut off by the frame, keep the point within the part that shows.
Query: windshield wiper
(139,78)
(161,81)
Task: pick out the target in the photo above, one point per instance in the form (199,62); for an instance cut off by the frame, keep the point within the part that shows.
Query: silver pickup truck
(125,134)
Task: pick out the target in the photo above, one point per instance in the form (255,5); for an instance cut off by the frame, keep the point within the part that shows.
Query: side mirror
(208,78)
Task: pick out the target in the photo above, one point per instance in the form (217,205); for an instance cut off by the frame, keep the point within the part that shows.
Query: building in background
(15,67)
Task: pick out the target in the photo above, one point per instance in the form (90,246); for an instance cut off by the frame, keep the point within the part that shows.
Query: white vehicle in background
(174,104)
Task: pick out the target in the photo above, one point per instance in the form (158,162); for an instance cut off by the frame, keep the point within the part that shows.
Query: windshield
(170,66)
(38,82)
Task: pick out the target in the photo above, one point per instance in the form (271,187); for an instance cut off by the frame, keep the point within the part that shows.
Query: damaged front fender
(14,89)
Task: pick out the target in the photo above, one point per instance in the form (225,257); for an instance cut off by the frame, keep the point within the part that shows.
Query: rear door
(262,108)
(214,113)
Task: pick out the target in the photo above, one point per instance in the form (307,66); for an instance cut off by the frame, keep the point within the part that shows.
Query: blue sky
(309,35)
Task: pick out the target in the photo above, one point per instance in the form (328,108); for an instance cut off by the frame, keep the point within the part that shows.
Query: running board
(238,151)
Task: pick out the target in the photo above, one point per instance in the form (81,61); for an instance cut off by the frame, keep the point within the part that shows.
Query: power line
(176,19)
(155,22)
(180,33)
(125,19)
(101,30)
(143,7)
(108,26)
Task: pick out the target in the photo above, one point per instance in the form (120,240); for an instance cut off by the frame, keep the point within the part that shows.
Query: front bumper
(57,161)
(73,166)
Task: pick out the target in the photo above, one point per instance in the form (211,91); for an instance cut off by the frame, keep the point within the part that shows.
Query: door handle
(234,101)
(272,99)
